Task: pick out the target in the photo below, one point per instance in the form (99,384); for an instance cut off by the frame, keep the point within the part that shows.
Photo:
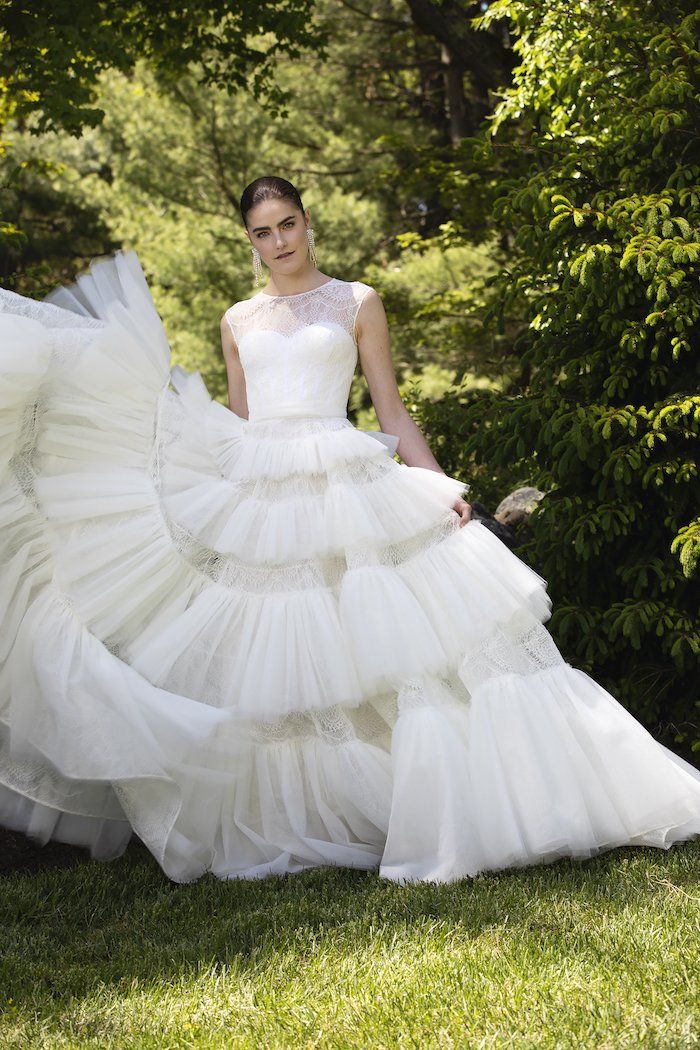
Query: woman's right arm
(237,400)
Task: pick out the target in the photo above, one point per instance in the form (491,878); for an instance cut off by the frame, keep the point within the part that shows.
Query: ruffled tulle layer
(264,646)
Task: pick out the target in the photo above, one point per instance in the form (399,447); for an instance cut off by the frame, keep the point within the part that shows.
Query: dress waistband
(295,411)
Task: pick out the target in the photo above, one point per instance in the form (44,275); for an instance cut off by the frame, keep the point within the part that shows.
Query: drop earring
(257,266)
(312,245)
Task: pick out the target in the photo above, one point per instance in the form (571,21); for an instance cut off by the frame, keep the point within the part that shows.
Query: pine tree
(592,155)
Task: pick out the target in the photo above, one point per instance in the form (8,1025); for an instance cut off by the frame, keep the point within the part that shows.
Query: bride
(280,233)
(252,637)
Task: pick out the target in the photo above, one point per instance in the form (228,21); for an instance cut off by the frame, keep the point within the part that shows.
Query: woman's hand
(464,510)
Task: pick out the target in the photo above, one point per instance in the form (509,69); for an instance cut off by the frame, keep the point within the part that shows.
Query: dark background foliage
(519,180)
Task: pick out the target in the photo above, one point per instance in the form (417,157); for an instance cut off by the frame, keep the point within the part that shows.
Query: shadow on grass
(67,930)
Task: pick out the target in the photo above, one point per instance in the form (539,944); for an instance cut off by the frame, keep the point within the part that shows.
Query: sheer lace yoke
(333,303)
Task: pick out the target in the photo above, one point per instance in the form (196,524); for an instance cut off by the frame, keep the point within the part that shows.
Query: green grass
(596,953)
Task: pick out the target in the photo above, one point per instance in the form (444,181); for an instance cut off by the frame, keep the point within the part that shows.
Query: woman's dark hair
(269,187)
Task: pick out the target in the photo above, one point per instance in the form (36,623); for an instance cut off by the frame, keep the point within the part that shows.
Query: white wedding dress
(264,644)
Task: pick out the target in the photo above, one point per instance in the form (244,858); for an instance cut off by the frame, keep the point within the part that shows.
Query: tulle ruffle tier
(265,646)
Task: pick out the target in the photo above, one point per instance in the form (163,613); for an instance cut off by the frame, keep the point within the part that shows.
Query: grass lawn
(596,953)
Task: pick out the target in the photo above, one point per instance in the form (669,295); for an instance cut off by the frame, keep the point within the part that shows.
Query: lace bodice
(298,352)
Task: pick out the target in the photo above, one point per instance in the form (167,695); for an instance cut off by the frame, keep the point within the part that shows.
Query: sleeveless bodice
(298,352)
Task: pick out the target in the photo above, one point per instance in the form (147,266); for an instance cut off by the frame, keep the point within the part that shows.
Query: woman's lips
(285,256)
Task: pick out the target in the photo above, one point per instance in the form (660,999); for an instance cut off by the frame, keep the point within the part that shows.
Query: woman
(253,637)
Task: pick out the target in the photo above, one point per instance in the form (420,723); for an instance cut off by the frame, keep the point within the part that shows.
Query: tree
(165,168)
(599,136)
(53,53)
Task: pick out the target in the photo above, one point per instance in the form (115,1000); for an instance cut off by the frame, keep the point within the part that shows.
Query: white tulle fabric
(264,644)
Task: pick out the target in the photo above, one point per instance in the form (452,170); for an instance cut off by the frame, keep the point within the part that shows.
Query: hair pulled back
(268,187)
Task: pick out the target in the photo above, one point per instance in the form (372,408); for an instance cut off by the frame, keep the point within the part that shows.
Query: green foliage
(49,225)
(599,135)
(166,167)
(53,54)
(53,51)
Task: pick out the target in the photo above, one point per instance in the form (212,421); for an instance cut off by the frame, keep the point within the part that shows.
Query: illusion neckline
(296,295)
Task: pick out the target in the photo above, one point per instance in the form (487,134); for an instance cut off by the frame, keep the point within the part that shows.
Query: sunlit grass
(599,953)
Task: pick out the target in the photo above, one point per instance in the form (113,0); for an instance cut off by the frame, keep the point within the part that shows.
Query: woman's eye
(264,234)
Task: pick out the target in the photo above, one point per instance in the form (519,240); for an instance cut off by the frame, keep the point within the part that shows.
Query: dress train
(263,644)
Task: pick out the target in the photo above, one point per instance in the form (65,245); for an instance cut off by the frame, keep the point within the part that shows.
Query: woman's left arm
(374,349)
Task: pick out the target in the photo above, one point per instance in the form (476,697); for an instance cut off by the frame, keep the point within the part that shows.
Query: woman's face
(278,230)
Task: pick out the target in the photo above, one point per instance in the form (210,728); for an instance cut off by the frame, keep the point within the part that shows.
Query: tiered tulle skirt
(267,646)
